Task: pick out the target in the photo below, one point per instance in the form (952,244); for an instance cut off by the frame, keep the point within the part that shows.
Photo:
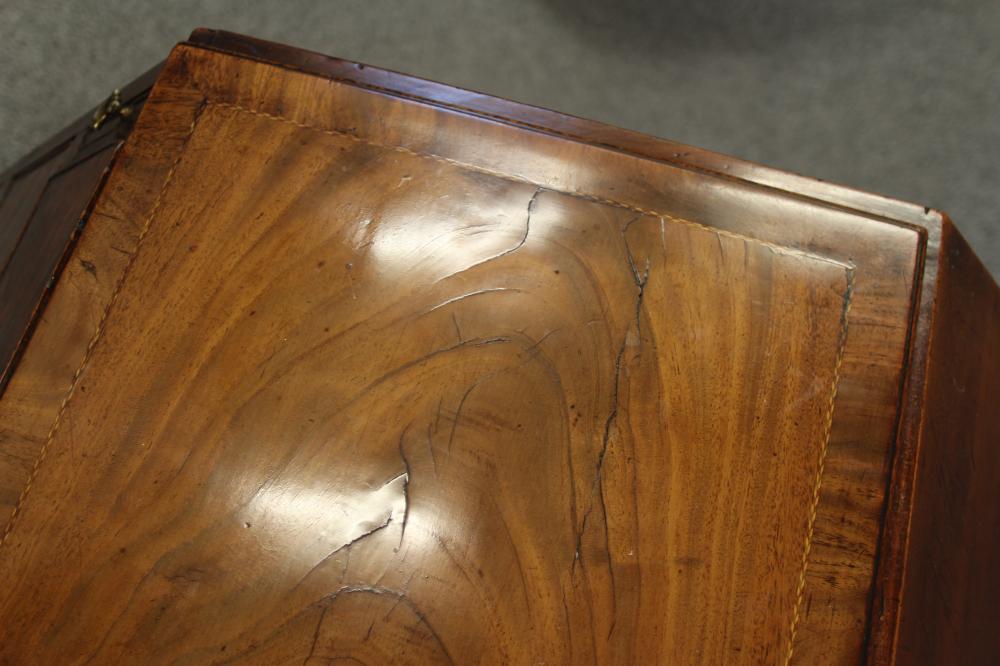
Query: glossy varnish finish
(499,363)
(362,375)
(884,256)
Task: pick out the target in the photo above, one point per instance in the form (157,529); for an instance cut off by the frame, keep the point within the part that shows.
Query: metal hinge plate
(111,107)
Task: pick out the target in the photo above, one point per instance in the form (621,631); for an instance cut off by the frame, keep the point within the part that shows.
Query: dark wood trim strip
(560,124)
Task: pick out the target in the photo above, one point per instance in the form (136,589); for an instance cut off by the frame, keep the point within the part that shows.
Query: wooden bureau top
(366,366)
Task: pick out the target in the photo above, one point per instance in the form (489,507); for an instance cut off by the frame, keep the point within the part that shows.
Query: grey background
(899,97)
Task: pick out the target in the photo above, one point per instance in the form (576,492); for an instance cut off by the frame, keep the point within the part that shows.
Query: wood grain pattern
(46,200)
(951,583)
(547,121)
(46,370)
(885,257)
(439,388)
(481,266)
(936,601)
(46,241)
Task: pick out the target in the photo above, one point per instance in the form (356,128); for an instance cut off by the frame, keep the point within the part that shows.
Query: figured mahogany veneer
(347,366)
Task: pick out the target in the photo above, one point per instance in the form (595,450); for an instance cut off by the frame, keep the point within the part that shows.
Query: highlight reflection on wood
(390,386)
(351,367)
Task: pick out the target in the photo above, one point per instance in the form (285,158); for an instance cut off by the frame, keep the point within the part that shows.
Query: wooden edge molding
(932,225)
(60,215)
(563,125)
(48,354)
(933,597)
(950,281)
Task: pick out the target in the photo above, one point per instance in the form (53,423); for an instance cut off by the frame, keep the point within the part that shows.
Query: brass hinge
(111,107)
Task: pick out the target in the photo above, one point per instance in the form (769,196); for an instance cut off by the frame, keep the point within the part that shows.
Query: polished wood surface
(546,121)
(48,218)
(885,256)
(533,437)
(937,600)
(44,201)
(376,371)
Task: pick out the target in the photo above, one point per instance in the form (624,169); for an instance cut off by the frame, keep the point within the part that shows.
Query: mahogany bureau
(310,362)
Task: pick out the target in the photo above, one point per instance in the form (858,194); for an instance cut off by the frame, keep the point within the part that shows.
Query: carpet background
(901,97)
